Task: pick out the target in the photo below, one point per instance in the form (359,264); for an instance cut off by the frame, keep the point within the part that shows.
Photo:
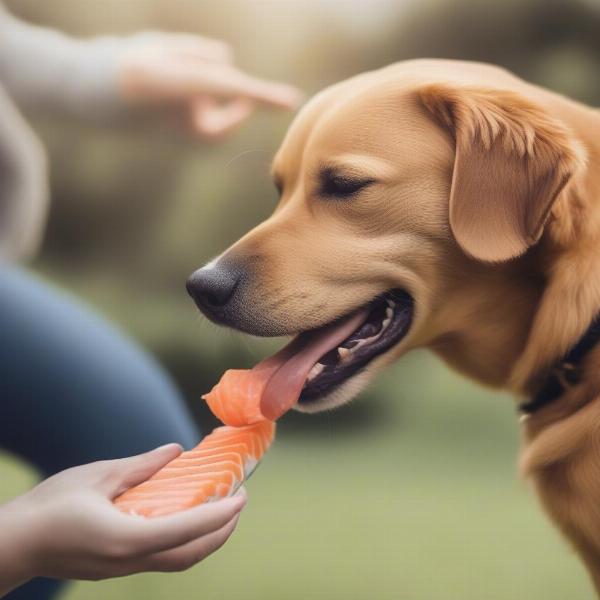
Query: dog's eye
(342,186)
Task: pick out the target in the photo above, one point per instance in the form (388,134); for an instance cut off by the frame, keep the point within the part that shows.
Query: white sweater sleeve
(23,185)
(44,68)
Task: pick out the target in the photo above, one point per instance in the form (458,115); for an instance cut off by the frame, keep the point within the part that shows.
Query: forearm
(16,548)
(44,68)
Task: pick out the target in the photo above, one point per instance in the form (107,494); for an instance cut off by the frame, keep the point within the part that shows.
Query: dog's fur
(485,206)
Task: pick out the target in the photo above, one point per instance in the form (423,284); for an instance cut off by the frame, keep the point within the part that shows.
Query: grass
(424,507)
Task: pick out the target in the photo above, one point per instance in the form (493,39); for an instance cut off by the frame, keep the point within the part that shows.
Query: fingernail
(172,445)
(242,500)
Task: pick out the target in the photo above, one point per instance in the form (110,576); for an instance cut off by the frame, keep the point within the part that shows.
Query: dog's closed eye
(336,184)
(278,184)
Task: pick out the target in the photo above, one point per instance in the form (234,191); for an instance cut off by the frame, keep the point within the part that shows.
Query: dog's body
(479,195)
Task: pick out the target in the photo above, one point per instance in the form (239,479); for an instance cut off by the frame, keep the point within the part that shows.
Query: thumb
(213,121)
(128,472)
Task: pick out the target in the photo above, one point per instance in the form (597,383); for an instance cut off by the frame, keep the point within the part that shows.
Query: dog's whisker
(243,154)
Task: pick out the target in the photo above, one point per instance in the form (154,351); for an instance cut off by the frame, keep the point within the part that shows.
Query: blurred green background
(411,492)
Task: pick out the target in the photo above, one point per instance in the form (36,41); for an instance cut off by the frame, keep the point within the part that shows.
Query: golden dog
(457,207)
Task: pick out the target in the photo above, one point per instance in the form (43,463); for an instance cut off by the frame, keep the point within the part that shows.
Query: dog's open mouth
(316,362)
(387,323)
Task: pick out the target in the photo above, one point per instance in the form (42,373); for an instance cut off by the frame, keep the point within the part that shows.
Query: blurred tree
(551,42)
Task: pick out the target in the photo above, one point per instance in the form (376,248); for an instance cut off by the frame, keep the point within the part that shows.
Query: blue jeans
(74,390)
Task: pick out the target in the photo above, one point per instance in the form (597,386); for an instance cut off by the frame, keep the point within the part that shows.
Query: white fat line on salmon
(249,466)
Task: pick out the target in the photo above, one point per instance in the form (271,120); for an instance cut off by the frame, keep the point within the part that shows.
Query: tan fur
(486,208)
(511,162)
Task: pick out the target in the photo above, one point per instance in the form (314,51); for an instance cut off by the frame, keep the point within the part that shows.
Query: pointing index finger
(229,82)
(265,92)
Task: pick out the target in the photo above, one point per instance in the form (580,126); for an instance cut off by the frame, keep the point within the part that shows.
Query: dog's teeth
(359,344)
(391,303)
(389,312)
(366,341)
(385,323)
(344,353)
(316,370)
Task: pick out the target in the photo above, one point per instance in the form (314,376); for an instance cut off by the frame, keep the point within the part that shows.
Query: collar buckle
(565,374)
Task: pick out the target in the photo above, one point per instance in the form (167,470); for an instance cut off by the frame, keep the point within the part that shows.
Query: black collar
(565,373)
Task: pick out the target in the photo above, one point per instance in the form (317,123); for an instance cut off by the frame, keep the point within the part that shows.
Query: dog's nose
(212,286)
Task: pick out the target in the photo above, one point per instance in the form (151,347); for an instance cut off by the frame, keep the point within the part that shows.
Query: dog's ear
(512,160)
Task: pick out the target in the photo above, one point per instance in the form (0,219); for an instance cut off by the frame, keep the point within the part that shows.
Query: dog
(457,208)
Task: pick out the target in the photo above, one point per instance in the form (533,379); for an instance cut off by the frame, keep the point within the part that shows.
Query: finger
(187,81)
(127,472)
(195,47)
(213,121)
(186,556)
(209,49)
(237,83)
(241,491)
(163,533)
(184,45)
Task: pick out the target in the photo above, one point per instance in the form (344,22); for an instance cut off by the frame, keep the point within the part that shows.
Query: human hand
(197,74)
(67,526)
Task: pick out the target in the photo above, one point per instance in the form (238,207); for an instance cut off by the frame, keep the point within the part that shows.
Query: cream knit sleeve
(43,68)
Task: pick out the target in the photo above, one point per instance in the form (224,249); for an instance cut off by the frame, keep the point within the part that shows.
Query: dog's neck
(563,329)
(552,299)
(509,325)
(564,374)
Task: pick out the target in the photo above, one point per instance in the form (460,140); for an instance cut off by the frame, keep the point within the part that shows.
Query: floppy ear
(511,162)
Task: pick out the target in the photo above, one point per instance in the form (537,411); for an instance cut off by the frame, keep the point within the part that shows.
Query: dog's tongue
(288,369)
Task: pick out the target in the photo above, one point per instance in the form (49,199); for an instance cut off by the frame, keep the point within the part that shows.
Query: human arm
(41,67)
(105,76)
(23,184)
(67,526)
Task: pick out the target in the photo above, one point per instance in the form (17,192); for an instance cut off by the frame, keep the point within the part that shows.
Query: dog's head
(409,206)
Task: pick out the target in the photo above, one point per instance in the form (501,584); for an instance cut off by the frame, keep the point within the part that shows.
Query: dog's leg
(577,515)
(563,460)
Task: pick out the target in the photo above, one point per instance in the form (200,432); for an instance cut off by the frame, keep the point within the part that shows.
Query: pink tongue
(291,365)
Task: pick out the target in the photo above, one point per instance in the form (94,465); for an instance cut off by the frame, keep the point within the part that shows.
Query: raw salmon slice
(235,400)
(247,402)
(273,386)
(214,469)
